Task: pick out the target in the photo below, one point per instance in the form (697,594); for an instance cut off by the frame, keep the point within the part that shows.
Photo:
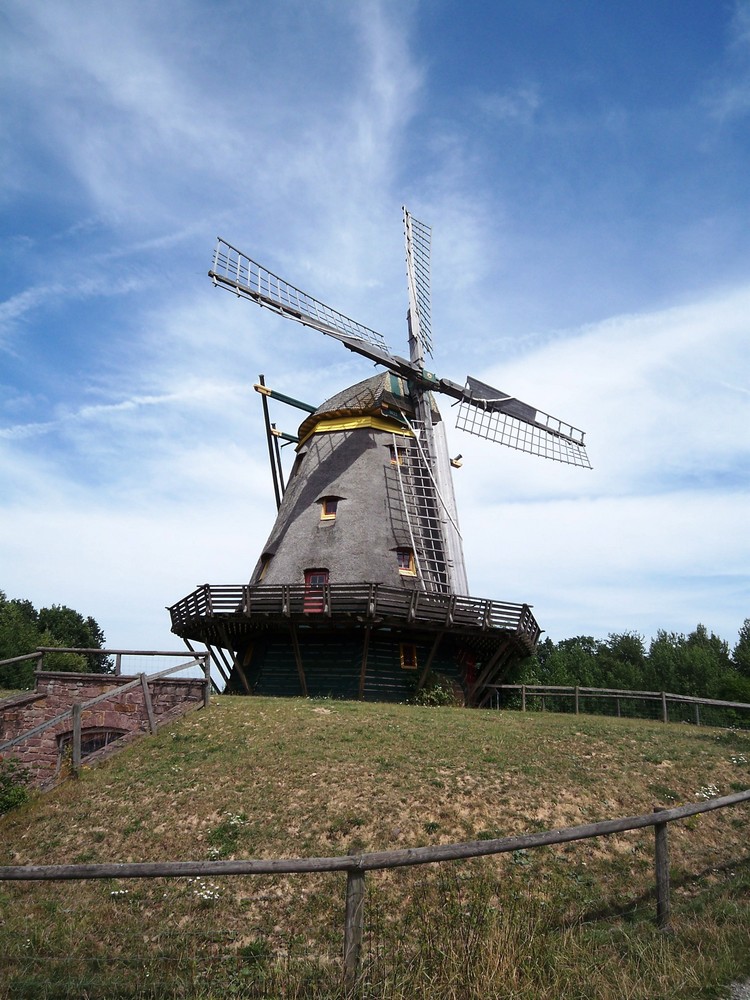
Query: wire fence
(663,706)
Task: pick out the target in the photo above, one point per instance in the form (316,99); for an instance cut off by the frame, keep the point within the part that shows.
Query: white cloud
(661,520)
(133,456)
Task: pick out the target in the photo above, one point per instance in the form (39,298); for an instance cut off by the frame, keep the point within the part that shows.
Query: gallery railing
(358,600)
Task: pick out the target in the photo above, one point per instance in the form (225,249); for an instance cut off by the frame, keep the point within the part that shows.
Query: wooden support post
(478,693)
(209,656)
(236,662)
(227,664)
(149,705)
(664,709)
(354,923)
(118,664)
(697,714)
(428,662)
(269,441)
(523,697)
(576,699)
(242,675)
(617,703)
(218,663)
(76,749)
(661,865)
(207,676)
(363,668)
(298,660)
(411,614)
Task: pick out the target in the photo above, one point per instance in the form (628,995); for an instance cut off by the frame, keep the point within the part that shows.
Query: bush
(13,781)
(438,690)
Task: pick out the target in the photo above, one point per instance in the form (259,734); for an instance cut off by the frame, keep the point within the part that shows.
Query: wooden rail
(357,865)
(356,600)
(74,712)
(545,691)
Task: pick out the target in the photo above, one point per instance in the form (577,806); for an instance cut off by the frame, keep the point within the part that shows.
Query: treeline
(700,664)
(23,629)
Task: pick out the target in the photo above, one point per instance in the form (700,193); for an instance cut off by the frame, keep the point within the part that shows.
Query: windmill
(361,589)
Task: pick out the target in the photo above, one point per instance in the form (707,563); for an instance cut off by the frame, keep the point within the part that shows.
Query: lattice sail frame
(532,438)
(251,280)
(483,411)
(418,248)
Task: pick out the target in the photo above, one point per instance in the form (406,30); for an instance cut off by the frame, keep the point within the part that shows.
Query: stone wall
(122,716)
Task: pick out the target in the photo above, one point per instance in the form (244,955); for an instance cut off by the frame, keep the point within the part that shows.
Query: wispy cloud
(133,446)
(15,308)
(518,106)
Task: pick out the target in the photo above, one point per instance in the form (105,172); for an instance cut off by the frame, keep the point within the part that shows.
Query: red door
(316,581)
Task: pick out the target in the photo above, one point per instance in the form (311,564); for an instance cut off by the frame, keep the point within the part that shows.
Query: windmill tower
(361,589)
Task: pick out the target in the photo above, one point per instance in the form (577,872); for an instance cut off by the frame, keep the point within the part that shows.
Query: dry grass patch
(279,778)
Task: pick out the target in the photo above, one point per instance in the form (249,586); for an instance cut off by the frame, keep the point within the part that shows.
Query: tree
(707,662)
(621,661)
(19,634)
(571,662)
(70,628)
(23,630)
(741,652)
(695,664)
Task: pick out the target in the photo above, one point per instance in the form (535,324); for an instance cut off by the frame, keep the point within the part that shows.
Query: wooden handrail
(357,865)
(26,656)
(198,660)
(373,861)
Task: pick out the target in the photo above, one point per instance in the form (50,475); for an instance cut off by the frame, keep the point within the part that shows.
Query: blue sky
(584,169)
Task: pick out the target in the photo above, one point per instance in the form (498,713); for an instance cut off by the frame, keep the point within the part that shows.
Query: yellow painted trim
(355,423)
(411,569)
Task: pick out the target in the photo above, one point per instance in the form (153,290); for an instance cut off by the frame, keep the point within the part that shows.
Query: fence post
(661,866)
(697,714)
(523,697)
(118,664)
(354,922)
(75,762)
(576,699)
(207,675)
(148,705)
(664,709)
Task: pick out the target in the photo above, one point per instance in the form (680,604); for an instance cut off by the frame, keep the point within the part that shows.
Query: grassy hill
(281,778)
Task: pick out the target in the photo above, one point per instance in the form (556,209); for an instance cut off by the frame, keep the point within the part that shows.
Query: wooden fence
(356,866)
(578,694)
(200,660)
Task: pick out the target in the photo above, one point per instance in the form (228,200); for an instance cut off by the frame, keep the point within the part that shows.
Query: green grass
(277,778)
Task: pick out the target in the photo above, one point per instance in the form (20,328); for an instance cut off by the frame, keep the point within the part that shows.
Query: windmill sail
(492,414)
(418,242)
(234,270)
(483,411)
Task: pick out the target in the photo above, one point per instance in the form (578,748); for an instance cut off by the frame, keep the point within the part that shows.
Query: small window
(406,565)
(328,509)
(91,740)
(398,455)
(408,656)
